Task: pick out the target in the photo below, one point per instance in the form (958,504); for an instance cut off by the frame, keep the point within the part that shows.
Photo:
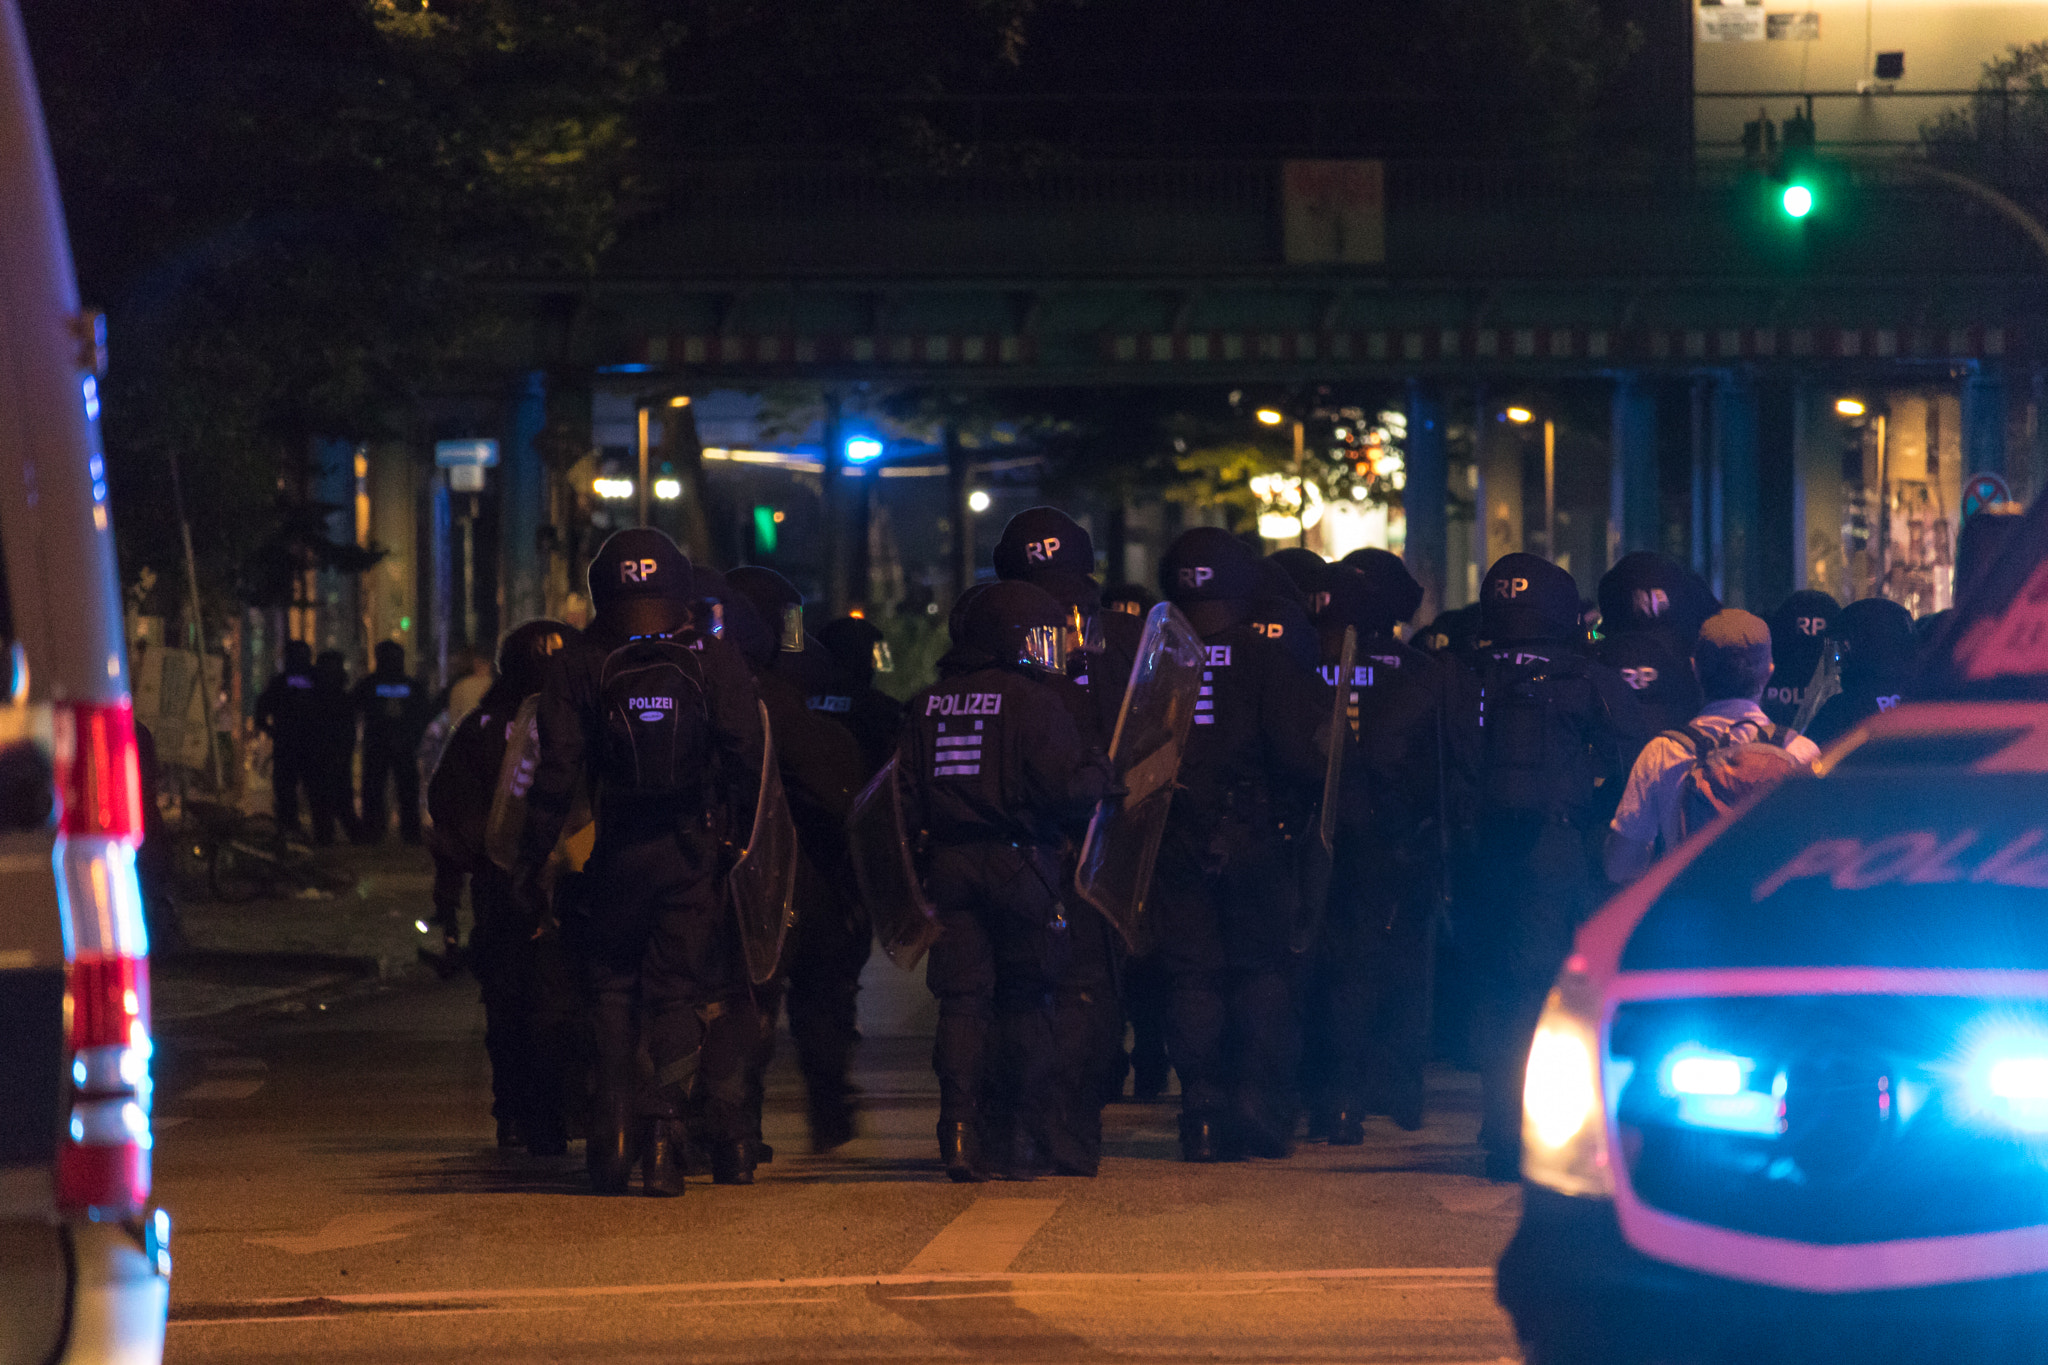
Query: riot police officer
(661,724)
(1542,729)
(394,708)
(527,998)
(1048,549)
(285,712)
(1651,610)
(334,749)
(1224,887)
(997,777)
(1376,960)
(858,651)
(1875,636)
(822,770)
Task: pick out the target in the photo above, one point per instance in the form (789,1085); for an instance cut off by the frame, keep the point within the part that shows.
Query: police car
(1789,1097)
(84,1262)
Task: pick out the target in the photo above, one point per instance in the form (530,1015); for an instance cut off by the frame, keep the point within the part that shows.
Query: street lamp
(978,500)
(641,410)
(1269,417)
(1522,417)
(1850,407)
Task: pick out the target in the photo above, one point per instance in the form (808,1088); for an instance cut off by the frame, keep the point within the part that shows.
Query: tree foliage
(2001,135)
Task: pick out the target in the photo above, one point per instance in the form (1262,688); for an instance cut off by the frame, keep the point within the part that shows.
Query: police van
(84,1261)
(1789,1096)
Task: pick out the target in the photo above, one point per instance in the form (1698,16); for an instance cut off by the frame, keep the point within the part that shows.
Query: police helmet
(956,619)
(857,646)
(1017,623)
(1799,629)
(1306,569)
(523,655)
(1210,575)
(1133,599)
(1876,637)
(1526,597)
(640,583)
(738,621)
(1378,591)
(298,656)
(1646,590)
(1044,540)
(776,598)
(390,658)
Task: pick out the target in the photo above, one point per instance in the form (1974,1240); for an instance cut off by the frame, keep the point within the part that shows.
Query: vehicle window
(1886,869)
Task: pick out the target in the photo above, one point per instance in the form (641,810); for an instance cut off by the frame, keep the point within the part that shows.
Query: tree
(2001,135)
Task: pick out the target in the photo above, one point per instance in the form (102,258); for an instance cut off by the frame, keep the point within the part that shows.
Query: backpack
(1726,772)
(1533,758)
(657,725)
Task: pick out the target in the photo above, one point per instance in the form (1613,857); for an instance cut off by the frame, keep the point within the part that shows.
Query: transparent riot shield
(763,881)
(1321,853)
(879,846)
(1122,843)
(507,820)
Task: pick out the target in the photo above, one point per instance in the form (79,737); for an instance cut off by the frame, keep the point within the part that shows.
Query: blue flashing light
(625,369)
(861,449)
(1712,1089)
(2008,1079)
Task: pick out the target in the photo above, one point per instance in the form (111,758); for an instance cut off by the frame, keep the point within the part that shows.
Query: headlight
(2007,1078)
(1564,1128)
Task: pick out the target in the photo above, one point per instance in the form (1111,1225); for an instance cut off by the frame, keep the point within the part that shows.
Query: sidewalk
(293,954)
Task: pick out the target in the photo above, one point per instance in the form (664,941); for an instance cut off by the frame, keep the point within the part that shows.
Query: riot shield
(763,881)
(879,847)
(1122,843)
(1319,857)
(507,820)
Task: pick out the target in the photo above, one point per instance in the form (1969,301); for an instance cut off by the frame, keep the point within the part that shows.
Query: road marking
(349,1230)
(223,1090)
(984,1239)
(1388,1277)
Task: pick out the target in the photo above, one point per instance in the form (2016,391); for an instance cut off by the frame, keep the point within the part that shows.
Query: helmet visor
(793,628)
(1045,647)
(883,660)
(710,617)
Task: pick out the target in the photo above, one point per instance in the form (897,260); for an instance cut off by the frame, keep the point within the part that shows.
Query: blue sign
(480,453)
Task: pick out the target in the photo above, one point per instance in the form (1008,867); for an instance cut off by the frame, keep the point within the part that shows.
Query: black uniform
(649,915)
(286,712)
(530,1003)
(1225,889)
(997,779)
(1545,732)
(395,713)
(1875,635)
(1799,629)
(1375,962)
(873,717)
(822,771)
(1651,610)
(1047,548)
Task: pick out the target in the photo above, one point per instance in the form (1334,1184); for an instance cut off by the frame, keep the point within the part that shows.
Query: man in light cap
(1732,657)
(657,720)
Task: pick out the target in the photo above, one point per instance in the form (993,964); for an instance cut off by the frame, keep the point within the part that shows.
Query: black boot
(508,1133)
(545,1136)
(661,1158)
(732,1163)
(960,1153)
(1199,1141)
(1347,1130)
(609,1149)
(831,1124)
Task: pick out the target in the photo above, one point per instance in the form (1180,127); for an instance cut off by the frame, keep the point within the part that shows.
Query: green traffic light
(1798,201)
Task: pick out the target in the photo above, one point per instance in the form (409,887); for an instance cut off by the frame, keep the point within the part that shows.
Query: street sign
(479,453)
(1984,490)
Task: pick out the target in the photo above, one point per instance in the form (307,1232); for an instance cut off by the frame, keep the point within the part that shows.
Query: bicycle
(246,857)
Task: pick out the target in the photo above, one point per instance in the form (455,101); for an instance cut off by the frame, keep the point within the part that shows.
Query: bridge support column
(832,506)
(1984,423)
(1632,503)
(1733,494)
(523,498)
(1426,497)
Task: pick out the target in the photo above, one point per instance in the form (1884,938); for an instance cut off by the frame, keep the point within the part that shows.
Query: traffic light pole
(2012,212)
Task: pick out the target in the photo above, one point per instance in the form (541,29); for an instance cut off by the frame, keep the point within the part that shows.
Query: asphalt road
(337,1196)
